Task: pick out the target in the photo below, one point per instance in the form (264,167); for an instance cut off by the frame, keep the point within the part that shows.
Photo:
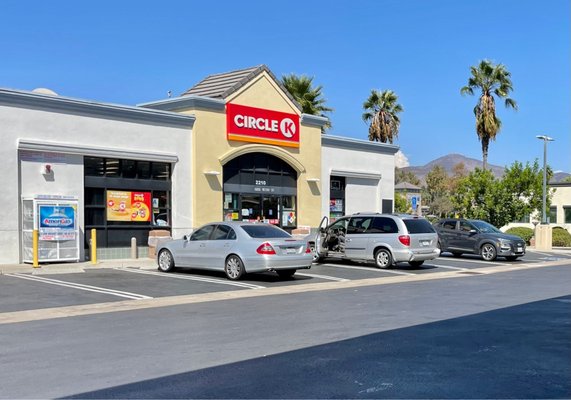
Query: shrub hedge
(521,231)
(561,238)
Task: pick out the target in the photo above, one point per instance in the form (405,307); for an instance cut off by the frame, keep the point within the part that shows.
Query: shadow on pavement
(516,352)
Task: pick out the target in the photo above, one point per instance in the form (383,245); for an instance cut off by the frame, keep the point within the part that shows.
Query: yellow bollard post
(35,262)
(94,246)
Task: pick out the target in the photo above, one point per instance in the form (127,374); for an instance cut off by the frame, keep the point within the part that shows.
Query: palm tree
(309,98)
(382,109)
(491,80)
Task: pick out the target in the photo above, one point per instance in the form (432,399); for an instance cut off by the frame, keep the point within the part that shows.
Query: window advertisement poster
(57,222)
(128,206)
(336,205)
(288,218)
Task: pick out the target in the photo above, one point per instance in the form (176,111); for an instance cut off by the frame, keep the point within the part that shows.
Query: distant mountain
(449,161)
(560,177)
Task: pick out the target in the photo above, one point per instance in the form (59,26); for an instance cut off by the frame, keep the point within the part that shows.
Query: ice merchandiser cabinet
(55,218)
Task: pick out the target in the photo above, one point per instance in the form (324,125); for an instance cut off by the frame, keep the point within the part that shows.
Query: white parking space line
(390,271)
(192,278)
(331,278)
(482,262)
(49,281)
(449,267)
(542,253)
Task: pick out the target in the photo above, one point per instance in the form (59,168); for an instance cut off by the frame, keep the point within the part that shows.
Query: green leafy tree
(474,195)
(406,176)
(436,194)
(310,98)
(382,113)
(401,204)
(499,201)
(459,172)
(436,182)
(490,80)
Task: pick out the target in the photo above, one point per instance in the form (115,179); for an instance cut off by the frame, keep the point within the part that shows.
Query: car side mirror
(473,231)
(186,238)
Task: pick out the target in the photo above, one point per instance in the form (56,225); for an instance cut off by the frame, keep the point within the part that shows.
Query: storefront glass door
(271,209)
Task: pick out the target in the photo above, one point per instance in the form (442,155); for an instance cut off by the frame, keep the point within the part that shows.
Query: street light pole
(545,140)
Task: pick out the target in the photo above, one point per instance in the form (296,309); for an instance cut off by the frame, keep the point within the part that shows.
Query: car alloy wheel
(488,252)
(383,258)
(166,262)
(234,268)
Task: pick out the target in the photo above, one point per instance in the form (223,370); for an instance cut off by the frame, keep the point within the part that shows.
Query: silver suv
(385,239)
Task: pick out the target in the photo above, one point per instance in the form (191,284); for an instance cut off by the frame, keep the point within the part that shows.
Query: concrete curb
(68,268)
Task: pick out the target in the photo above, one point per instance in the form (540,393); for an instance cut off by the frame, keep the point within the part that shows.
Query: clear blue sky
(130,52)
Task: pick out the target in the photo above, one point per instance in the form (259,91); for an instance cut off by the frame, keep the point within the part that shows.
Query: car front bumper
(510,249)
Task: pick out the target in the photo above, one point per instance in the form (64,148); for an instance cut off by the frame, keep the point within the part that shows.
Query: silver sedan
(237,248)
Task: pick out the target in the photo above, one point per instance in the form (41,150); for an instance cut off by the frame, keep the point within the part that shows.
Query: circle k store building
(235,146)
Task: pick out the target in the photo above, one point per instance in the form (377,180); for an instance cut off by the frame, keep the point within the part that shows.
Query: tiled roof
(220,86)
(407,186)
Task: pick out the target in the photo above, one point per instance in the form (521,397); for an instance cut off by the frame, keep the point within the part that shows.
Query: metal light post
(545,140)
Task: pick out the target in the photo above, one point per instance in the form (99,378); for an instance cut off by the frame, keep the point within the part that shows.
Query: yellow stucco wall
(211,149)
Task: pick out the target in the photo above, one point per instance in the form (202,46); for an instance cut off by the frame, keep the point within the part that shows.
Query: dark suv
(459,236)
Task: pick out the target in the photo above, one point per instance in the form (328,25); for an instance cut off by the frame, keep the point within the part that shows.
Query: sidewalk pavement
(71,267)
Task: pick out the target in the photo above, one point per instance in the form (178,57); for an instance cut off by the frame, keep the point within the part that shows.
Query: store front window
(259,187)
(336,197)
(125,199)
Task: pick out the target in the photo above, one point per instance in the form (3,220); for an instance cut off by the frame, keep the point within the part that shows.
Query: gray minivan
(385,239)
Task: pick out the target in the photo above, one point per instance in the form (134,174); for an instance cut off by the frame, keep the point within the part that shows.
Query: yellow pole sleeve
(35,261)
(94,246)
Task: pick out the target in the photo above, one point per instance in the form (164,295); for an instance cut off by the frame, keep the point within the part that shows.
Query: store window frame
(98,181)
(567,214)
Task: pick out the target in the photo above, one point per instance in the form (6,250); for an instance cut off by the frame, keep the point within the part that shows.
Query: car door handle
(203,245)
(348,240)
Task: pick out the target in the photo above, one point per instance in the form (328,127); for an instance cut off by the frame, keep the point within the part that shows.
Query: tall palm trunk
(485,144)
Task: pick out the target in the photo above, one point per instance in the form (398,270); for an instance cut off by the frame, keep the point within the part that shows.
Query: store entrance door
(261,208)
(271,209)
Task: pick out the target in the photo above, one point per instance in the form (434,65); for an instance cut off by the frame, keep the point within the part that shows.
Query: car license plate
(290,250)
(519,249)
(425,242)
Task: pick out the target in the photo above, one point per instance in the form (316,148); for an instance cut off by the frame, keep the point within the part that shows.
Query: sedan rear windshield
(264,231)
(418,226)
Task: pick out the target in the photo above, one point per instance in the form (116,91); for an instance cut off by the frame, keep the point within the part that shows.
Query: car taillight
(265,248)
(405,239)
(308,249)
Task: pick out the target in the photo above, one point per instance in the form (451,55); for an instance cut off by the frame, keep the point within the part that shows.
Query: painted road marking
(331,278)
(192,278)
(103,308)
(390,271)
(449,267)
(481,262)
(96,289)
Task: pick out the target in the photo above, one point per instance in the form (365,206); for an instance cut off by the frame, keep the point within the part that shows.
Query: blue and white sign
(414,202)
(57,222)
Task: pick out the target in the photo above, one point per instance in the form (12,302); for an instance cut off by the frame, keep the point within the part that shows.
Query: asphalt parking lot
(24,291)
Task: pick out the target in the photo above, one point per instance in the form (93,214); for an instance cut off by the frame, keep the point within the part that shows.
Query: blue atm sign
(414,202)
(57,222)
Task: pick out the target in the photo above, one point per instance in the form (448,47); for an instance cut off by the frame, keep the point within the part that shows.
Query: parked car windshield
(418,226)
(264,231)
(484,227)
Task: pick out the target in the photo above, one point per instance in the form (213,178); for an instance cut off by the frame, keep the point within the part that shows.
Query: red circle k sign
(250,124)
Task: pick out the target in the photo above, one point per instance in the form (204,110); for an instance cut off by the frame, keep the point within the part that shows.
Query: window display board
(56,219)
